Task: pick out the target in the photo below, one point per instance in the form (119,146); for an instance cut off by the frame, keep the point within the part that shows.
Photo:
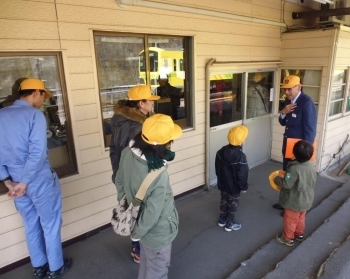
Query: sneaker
(41,271)
(234,227)
(299,237)
(135,255)
(222,223)
(280,238)
(67,264)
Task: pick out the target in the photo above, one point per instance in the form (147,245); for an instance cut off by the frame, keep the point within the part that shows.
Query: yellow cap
(257,77)
(34,84)
(290,81)
(237,135)
(141,92)
(272,177)
(160,129)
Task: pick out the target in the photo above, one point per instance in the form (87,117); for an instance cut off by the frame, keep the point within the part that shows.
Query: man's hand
(20,189)
(244,192)
(280,175)
(11,186)
(288,108)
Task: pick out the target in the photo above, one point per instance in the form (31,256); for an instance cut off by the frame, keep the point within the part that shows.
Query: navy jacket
(231,169)
(301,123)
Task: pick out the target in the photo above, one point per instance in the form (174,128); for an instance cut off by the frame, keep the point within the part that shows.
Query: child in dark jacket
(297,193)
(231,169)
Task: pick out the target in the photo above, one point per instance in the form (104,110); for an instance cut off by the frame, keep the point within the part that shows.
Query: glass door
(258,119)
(226,111)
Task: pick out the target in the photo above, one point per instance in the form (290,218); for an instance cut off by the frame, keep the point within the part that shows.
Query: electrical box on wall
(341,19)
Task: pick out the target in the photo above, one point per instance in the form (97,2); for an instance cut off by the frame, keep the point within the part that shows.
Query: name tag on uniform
(294,115)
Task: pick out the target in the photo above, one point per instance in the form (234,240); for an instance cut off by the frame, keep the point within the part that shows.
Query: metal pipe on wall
(207,120)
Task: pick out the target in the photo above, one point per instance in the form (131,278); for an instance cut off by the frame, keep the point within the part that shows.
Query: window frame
(345,95)
(72,168)
(187,67)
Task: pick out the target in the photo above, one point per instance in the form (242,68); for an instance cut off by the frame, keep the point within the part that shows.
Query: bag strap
(147,182)
(261,97)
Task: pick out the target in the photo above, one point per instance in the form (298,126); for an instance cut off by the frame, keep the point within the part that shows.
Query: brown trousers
(293,223)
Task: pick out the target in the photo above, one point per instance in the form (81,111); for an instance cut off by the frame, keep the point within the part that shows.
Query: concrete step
(337,265)
(307,259)
(273,253)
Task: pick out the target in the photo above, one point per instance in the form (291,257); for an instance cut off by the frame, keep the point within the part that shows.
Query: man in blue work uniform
(298,116)
(32,183)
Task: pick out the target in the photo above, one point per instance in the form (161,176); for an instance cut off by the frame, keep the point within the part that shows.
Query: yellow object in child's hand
(272,176)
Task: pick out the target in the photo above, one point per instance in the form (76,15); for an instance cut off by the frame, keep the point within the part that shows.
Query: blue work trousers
(41,211)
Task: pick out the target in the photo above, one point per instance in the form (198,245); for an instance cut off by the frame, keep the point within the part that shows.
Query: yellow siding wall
(337,130)
(67,25)
(306,50)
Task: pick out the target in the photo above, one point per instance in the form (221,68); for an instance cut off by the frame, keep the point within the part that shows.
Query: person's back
(231,169)
(17,122)
(31,182)
(302,178)
(297,193)
(157,222)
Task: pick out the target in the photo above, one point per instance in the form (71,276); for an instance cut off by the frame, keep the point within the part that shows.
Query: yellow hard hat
(272,177)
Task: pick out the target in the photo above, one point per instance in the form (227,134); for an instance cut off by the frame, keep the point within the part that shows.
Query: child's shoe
(280,238)
(222,223)
(135,255)
(234,227)
(299,237)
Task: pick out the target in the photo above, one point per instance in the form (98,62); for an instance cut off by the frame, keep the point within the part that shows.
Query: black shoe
(67,264)
(278,206)
(41,271)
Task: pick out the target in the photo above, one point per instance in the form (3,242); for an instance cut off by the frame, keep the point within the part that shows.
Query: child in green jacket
(297,193)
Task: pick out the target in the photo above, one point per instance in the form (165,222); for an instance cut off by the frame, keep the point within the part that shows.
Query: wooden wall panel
(89,196)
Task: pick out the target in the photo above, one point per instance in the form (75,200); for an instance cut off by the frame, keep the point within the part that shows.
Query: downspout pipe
(197,11)
(207,120)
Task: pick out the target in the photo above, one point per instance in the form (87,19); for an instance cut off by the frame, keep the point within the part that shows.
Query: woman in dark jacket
(127,121)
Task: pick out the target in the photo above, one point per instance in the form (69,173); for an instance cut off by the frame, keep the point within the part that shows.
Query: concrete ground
(202,250)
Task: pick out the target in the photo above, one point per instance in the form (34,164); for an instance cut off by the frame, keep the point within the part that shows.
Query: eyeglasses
(289,89)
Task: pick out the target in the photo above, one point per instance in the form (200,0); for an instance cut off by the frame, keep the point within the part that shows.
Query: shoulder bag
(124,216)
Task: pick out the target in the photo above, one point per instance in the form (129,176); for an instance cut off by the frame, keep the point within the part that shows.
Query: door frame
(214,67)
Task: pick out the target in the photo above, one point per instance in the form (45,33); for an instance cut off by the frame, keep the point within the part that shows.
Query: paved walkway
(202,250)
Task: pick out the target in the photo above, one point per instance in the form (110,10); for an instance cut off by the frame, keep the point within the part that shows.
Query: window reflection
(225,98)
(124,61)
(14,69)
(168,78)
(258,94)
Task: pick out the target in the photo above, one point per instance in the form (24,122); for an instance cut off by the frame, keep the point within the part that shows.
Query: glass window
(124,61)
(225,98)
(258,94)
(46,67)
(337,95)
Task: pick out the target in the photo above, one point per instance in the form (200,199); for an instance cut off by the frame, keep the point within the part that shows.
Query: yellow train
(163,62)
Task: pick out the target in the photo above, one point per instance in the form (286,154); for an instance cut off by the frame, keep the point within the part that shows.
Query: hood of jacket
(125,113)
(229,153)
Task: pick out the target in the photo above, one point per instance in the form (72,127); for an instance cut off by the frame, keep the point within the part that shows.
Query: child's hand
(244,192)
(280,174)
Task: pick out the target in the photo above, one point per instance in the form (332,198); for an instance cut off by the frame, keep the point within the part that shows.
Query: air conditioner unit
(337,4)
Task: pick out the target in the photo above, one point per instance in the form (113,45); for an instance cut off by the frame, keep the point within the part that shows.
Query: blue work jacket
(23,148)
